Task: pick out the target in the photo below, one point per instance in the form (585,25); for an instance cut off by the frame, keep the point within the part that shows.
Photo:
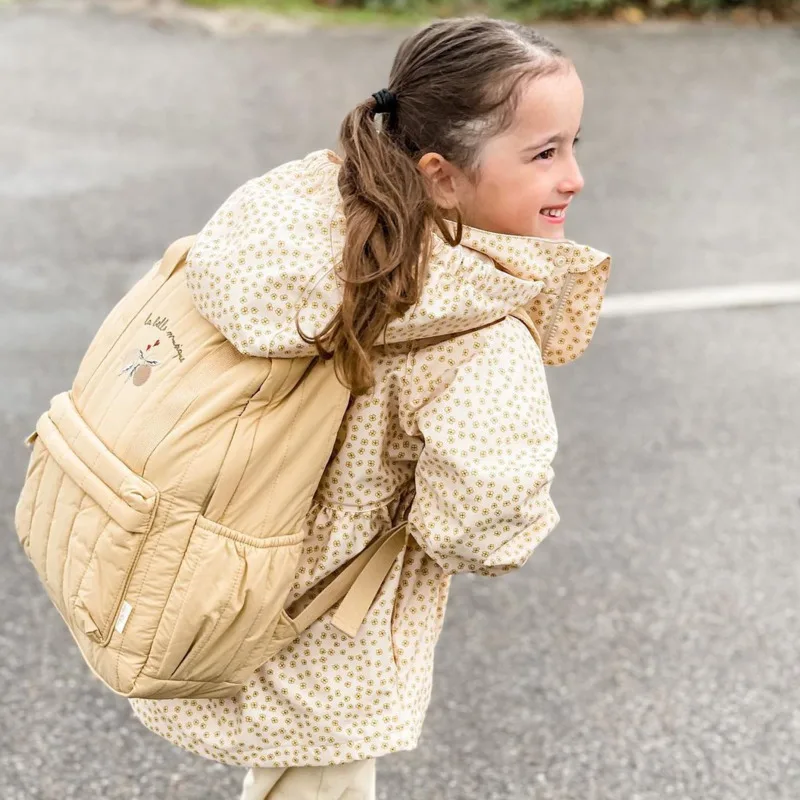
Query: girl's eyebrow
(556,137)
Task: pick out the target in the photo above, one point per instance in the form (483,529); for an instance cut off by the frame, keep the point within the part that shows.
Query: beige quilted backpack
(165,497)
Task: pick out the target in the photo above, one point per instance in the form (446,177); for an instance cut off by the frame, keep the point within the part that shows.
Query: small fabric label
(124,613)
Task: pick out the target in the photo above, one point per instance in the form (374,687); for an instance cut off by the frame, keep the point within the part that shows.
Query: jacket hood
(267,259)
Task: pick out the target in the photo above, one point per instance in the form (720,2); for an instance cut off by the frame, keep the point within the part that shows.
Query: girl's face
(529,168)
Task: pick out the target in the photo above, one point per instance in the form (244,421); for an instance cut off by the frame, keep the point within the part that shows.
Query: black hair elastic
(385,102)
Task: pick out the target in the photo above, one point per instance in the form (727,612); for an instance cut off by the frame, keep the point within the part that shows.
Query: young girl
(445,215)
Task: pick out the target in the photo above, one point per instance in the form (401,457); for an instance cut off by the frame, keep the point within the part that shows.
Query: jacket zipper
(569,282)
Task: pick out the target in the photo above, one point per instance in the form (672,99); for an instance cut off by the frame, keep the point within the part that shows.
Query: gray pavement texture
(649,650)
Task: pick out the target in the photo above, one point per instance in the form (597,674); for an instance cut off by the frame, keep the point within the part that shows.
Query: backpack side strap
(358,583)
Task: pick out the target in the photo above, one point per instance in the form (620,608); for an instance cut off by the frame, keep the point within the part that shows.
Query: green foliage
(410,11)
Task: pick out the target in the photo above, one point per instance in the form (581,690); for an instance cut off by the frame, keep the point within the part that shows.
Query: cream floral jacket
(457,437)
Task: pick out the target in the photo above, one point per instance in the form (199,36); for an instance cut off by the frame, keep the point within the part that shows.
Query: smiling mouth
(553,215)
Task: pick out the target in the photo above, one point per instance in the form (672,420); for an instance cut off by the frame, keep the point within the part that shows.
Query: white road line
(712,297)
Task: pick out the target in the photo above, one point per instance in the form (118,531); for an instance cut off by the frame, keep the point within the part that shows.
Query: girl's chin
(552,232)
(549,230)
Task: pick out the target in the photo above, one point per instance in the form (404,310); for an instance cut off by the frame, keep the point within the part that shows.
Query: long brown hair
(456,85)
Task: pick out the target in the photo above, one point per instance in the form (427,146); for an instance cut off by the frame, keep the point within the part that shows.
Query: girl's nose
(572,180)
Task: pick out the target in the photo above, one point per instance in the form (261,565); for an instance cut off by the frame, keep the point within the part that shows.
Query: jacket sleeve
(482,409)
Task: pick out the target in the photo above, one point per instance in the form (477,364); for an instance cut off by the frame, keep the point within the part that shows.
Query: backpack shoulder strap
(524,317)
(519,314)
(174,256)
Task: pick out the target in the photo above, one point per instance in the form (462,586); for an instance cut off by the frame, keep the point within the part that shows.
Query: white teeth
(553,212)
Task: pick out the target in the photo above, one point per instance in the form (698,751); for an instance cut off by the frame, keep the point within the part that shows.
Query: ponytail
(388,210)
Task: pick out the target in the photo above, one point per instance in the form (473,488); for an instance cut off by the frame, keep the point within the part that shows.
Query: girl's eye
(546,155)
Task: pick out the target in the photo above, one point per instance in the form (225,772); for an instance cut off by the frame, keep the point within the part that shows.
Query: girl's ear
(442,178)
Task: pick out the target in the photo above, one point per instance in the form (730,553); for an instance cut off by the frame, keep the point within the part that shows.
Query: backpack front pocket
(82,517)
(224,606)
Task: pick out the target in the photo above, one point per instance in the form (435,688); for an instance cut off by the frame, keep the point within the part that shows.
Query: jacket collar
(531,258)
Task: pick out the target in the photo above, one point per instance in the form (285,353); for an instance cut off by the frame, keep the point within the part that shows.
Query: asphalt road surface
(649,650)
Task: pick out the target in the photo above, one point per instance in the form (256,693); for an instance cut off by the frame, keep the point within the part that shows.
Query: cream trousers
(354,781)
